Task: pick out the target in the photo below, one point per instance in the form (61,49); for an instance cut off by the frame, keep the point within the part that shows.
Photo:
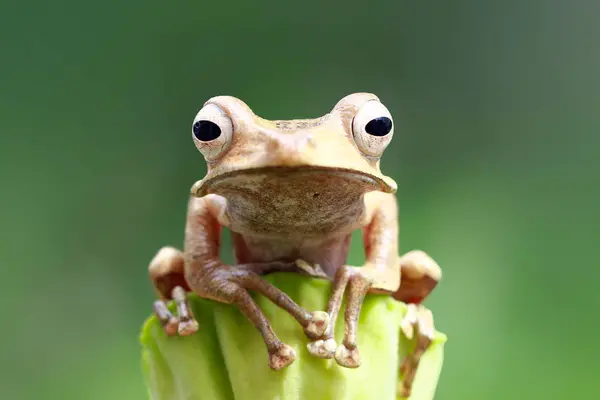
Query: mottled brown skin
(292,192)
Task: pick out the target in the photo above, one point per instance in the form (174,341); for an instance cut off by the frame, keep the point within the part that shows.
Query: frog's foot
(231,284)
(348,280)
(166,272)
(184,323)
(417,321)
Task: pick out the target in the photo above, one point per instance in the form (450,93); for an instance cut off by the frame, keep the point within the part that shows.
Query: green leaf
(227,358)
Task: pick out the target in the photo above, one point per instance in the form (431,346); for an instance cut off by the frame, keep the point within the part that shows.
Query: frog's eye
(212,131)
(373,128)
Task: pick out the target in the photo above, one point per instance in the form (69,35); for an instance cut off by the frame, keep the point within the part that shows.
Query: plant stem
(227,359)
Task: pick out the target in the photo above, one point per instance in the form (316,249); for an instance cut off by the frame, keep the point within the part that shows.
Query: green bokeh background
(497,116)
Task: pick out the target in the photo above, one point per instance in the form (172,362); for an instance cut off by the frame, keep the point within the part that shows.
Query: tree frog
(292,192)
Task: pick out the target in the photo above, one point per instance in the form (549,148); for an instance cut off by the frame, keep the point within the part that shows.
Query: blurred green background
(496,155)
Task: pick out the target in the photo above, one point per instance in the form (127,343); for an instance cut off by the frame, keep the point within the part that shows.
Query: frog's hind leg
(230,291)
(166,273)
(314,323)
(232,287)
(420,275)
(418,321)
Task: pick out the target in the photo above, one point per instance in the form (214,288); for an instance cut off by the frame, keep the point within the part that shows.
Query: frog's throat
(369,182)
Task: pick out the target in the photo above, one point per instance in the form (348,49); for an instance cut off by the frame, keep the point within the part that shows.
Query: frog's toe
(169,323)
(322,348)
(187,323)
(347,357)
(281,357)
(318,323)
(312,270)
(409,321)
(188,327)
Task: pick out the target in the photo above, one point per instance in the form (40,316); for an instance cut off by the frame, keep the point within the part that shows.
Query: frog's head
(342,148)
(303,175)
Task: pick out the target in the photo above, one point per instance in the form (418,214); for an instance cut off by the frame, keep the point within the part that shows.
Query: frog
(292,192)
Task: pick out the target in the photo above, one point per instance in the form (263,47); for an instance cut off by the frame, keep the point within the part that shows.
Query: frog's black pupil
(380,126)
(205,131)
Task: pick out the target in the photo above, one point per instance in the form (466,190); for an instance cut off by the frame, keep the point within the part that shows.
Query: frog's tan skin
(291,192)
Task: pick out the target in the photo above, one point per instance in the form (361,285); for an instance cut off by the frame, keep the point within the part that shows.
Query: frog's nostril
(310,141)
(302,142)
(289,146)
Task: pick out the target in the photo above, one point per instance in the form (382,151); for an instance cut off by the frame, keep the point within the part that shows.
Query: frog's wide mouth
(368,182)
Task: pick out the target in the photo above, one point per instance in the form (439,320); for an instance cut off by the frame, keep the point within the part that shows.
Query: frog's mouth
(282,181)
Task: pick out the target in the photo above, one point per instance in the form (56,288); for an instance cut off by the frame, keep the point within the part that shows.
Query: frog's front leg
(166,271)
(381,273)
(420,275)
(208,277)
